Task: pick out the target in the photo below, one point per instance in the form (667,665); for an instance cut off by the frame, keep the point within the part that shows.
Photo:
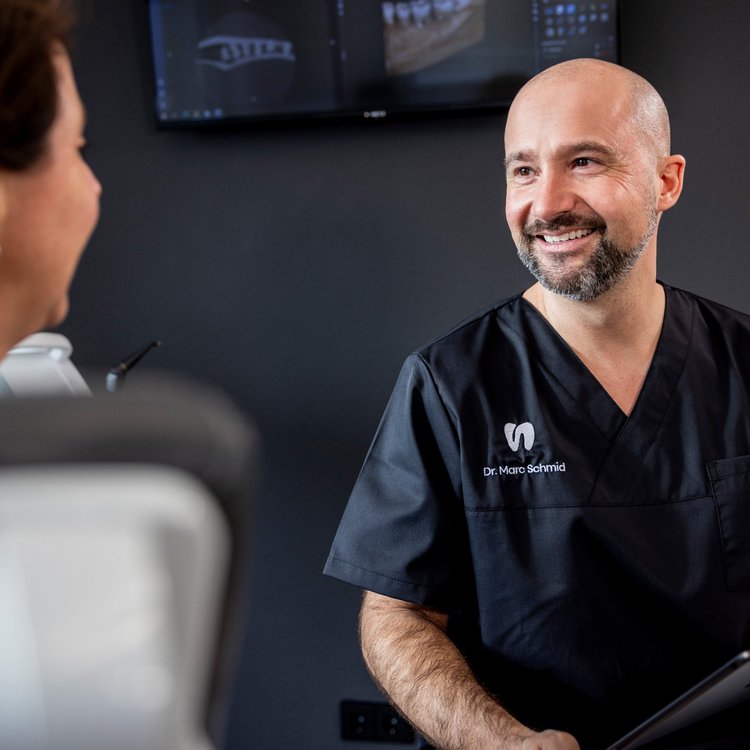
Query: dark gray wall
(296,267)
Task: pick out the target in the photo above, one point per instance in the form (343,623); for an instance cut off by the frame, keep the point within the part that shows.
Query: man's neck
(615,336)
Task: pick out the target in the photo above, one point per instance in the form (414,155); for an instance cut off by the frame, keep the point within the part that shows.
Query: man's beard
(604,269)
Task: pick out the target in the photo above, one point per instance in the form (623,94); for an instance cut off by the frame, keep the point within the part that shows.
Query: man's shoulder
(465,336)
(709,308)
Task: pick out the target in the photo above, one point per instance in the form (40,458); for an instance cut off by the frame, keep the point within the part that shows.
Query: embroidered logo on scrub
(518,436)
(514,433)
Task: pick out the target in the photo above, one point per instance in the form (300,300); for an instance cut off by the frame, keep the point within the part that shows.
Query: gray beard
(607,266)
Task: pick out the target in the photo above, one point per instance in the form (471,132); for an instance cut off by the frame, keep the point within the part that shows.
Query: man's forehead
(560,121)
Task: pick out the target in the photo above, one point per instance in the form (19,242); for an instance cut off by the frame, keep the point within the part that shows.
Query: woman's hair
(29,31)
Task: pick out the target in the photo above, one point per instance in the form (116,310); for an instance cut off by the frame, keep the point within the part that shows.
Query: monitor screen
(239,61)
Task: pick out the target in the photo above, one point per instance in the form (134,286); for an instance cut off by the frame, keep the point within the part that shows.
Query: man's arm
(413,661)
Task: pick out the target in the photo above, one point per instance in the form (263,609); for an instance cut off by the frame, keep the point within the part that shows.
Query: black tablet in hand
(724,688)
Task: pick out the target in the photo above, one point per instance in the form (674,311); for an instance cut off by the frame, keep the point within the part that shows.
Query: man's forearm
(414,662)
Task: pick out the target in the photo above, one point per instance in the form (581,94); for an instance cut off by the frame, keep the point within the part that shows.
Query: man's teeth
(569,236)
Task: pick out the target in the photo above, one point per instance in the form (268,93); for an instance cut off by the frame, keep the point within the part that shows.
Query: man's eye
(583,161)
(523,172)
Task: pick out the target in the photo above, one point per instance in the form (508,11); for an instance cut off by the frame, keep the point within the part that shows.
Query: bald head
(613,87)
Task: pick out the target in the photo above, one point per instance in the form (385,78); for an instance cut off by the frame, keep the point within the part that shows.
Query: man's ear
(672,174)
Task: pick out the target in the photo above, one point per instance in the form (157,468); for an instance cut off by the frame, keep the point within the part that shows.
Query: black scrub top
(594,565)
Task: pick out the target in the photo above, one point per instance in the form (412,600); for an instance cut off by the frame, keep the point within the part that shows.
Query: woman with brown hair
(49,197)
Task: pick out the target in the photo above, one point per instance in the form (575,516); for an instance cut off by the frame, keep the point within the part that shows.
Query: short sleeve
(403,531)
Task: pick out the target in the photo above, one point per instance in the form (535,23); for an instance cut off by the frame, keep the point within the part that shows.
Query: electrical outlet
(357,720)
(390,727)
(376,722)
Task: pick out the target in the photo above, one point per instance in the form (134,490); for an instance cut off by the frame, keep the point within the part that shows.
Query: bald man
(551,526)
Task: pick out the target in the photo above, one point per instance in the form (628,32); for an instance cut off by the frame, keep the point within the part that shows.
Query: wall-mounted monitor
(243,61)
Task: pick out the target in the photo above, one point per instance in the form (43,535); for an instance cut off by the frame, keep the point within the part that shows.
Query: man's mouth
(576,234)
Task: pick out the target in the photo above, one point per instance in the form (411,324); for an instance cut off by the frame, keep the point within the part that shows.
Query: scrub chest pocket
(730,485)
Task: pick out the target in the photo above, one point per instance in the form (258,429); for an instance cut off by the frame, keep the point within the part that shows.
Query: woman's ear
(672,174)
(3,210)
(3,199)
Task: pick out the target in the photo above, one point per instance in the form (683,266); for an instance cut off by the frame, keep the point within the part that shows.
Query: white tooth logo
(514,433)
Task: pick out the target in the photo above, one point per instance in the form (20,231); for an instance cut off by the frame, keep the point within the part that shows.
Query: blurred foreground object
(123,533)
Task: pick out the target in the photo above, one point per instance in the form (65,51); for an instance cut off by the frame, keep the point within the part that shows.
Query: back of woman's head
(29,31)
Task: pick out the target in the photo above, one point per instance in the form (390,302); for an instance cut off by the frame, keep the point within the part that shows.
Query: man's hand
(549,740)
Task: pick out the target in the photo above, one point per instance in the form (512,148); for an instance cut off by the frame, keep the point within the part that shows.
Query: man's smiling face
(582,184)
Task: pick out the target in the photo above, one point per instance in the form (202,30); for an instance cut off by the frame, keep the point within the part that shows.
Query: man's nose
(553,196)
